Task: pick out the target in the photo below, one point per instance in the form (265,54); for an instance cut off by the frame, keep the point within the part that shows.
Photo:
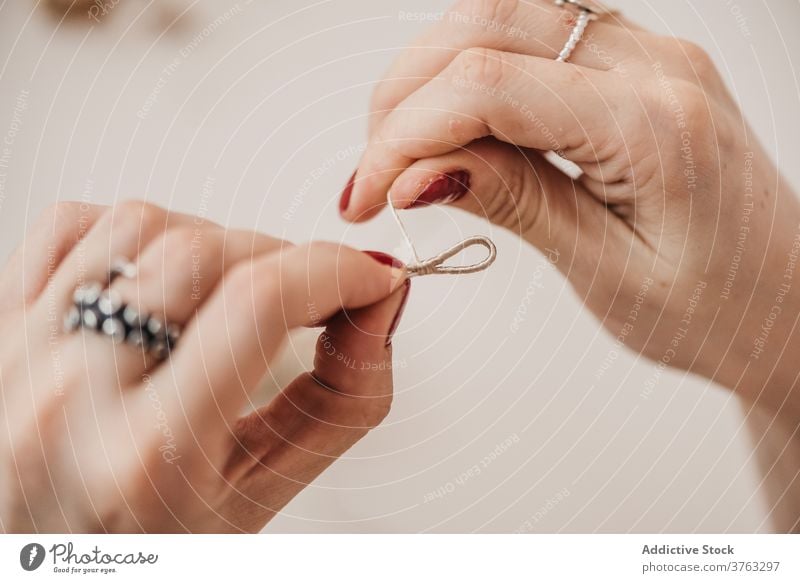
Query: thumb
(320,415)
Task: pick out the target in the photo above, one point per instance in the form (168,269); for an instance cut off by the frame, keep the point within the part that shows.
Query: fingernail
(400,310)
(398,267)
(385,259)
(344,200)
(444,189)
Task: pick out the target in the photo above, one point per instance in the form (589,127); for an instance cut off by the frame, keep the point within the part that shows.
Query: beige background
(258,122)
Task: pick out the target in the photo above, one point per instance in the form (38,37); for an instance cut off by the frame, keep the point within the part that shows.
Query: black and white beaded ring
(95,307)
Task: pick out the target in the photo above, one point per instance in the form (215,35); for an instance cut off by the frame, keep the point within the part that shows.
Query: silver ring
(585,15)
(580,6)
(122,267)
(97,308)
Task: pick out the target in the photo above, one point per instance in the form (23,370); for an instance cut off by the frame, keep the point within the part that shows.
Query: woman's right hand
(103,437)
(679,235)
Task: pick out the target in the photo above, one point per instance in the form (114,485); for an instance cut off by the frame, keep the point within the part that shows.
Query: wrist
(762,363)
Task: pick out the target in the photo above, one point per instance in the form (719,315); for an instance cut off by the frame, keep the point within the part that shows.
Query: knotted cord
(435,265)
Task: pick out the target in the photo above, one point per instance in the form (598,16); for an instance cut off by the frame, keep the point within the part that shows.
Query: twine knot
(435,265)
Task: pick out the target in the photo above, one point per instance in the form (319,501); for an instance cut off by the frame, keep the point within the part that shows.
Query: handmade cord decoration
(435,265)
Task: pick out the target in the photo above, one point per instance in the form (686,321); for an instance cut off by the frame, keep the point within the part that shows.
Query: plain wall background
(257,123)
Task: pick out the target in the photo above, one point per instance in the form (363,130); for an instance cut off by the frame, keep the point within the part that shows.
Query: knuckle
(361,411)
(630,127)
(181,241)
(176,249)
(517,200)
(376,411)
(481,67)
(253,291)
(675,105)
(694,53)
(387,136)
(696,109)
(490,13)
(58,212)
(138,212)
(382,97)
(691,57)
(239,280)
(530,212)
(62,218)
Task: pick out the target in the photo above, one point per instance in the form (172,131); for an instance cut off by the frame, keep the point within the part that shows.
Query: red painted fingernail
(444,189)
(344,200)
(399,274)
(400,310)
(385,259)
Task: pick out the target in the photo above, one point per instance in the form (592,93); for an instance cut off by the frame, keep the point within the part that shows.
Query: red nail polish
(344,200)
(399,314)
(385,259)
(444,189)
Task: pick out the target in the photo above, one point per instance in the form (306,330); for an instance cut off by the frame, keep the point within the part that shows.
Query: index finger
(227,349)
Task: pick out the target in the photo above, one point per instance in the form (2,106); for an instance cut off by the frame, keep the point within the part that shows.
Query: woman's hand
(679,234)
(100,437)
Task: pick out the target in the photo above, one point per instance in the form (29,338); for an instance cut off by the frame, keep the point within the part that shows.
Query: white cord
(434,265)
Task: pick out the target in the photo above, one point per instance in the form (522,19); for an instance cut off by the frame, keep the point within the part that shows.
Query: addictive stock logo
(31,556)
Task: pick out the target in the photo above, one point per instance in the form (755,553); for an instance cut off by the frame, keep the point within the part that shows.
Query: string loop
(435,265)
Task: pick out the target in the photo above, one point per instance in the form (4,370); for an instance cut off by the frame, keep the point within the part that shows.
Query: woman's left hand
(101,437)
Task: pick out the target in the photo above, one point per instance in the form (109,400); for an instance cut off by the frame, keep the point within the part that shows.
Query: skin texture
(678,214)
(100,438)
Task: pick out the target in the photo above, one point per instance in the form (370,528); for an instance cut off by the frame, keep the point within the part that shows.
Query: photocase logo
(31,556)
